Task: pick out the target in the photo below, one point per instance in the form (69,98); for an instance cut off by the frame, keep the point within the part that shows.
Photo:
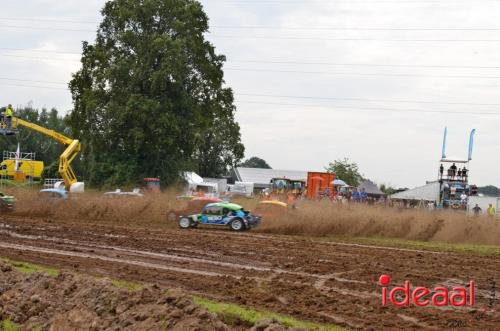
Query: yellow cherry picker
(10,128)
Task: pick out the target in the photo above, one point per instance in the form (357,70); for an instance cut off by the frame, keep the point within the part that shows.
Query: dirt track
(327,282)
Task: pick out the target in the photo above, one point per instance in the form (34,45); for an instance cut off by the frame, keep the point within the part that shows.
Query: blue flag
(471,143)
(443,153)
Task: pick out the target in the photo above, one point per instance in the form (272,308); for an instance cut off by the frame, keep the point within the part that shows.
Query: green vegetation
(133,287)
(347,171)
(8,325)
(489,190)
(149,99)
(29,268)
(233,313)
(255,162)
(422,245)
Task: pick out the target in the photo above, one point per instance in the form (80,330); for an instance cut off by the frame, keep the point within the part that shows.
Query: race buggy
(7,202)
(221,214)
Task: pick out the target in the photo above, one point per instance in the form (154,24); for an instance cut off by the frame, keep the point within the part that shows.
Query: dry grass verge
(327,219)
(311,218)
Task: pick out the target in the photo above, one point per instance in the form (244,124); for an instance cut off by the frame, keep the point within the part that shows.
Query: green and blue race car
(222,214)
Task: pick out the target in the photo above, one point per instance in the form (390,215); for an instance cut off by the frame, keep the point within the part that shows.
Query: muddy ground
(309,279)
(74,302)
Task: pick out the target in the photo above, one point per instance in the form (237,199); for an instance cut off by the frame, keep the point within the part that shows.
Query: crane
(73,147)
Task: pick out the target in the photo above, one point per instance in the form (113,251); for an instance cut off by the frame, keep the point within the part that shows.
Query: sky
(314,80)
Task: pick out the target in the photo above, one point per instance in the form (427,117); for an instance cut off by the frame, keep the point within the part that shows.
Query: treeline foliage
(149,99)
(347,171)
(45,149)
(255,162)
(489,190)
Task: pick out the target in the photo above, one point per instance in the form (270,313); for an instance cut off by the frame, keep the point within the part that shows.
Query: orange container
(318,183)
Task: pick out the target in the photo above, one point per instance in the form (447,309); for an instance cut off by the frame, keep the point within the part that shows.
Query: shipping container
(320,184)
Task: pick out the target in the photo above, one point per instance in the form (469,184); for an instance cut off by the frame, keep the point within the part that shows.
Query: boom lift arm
(72,149)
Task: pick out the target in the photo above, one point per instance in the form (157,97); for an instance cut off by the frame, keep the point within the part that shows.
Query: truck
(28,168)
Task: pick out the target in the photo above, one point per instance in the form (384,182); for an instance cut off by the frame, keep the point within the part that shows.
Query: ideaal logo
(424,296)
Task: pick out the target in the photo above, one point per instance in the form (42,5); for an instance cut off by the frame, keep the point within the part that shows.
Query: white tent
(192,177)
(429,192)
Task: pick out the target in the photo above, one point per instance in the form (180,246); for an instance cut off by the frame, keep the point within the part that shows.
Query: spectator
(441,170)
(355,195)
(460,173)
(491,210)
(363,195)
(453,169)
(464,173)
(9,112)
(463,198)
(477,210)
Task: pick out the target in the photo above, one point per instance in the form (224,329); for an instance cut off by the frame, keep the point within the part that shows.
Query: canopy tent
(429,192)
(370,188)
(339,182)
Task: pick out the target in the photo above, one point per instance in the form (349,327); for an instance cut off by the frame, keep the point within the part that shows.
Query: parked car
(7,202)
(222,214)
(54,193)
(119,193)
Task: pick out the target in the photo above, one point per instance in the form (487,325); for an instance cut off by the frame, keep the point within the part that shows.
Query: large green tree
(347,171)
(150,99)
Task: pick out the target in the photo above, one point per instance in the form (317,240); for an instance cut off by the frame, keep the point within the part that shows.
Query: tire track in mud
(108,259)
(317,280)
(77,247)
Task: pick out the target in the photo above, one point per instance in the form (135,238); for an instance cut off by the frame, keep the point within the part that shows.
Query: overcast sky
(376,92)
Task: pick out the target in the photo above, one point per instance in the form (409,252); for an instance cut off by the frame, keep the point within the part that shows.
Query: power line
(36,19)
(32,81)
(38,50)
(324,28)
(44,28)
(303,97)
(308,105)
(368,100)
(352,39)
(276,38)
(355,1)
(279,103)
(367,64)
(263,27)
(34,86)
(39,58)
(359,74)
(274,61)
(370,108)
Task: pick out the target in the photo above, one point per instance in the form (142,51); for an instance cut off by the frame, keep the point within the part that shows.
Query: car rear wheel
(185,223)
(237,225)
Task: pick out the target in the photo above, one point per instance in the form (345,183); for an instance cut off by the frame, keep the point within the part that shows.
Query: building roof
(429,192)
(370,188)
(262,177)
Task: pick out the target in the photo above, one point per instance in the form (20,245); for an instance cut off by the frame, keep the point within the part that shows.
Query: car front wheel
(185,223)
(237,225)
